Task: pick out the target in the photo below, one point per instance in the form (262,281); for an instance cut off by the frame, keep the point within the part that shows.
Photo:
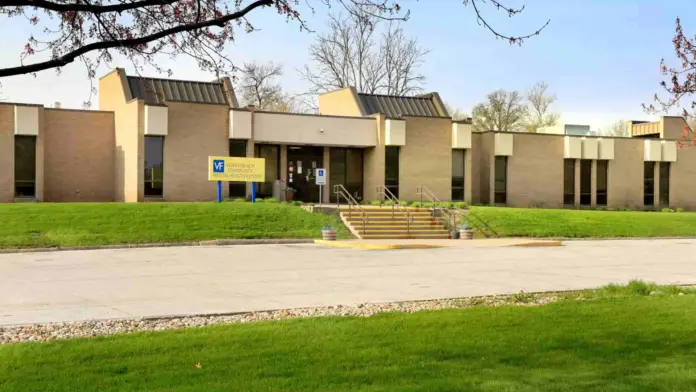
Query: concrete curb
(353,245)
(218,242)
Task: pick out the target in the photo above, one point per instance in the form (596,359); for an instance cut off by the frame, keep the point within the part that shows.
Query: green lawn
(634,343)
(73,224)
(528,222)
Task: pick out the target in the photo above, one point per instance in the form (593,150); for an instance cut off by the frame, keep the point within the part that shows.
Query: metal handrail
(341,191)
(384,193)
(451,219)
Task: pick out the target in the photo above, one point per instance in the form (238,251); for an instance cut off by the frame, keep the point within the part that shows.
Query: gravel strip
(84,329)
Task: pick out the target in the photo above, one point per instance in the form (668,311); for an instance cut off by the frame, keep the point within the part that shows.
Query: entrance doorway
(302,162)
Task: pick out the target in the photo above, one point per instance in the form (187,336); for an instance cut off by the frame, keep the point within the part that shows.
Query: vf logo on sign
(218,166)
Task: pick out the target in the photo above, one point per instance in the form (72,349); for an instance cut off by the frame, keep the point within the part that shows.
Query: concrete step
(390,221)
(433,226)
(405,236)
(403,232)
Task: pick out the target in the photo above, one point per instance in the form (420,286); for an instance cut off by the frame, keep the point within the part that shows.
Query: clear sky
(601,57)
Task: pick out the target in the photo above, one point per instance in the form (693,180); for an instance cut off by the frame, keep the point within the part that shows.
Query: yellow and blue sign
(236,169)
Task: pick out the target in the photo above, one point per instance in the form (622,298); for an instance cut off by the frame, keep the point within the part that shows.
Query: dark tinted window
(664,184)
(458,171)
(154,166)
(602,182)
(391,165)
(25,166)
(500,189)
(238,148)
(569,182)
(649,184)
(585,182)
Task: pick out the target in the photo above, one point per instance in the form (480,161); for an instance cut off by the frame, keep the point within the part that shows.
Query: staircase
(385,223)
(392,221)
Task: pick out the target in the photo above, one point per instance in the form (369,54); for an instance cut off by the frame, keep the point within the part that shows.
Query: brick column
(577,183)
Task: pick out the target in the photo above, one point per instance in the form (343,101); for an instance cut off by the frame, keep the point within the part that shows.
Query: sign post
(251,170)
(219,192)
(321,181)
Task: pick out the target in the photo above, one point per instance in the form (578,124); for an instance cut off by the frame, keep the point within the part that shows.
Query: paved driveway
(78,285)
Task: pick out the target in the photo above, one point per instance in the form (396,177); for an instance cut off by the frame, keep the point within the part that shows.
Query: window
(391,166)
(238,148)
(154,166)
(271,153)
(500,189)
(649,184)
(569,182)
(585,182)
(25,166)
(458,171)
(602,182)
(664,184)
(347,169)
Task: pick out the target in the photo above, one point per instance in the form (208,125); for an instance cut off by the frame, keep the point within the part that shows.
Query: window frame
(602,195)
(500,193)
(22,185)
(393,160)
(152,191)
(458,182)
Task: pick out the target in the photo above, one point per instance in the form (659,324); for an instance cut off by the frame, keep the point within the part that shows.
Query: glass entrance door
(302,162)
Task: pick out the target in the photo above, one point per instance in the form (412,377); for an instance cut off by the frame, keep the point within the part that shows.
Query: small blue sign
(320,172)
(218,166)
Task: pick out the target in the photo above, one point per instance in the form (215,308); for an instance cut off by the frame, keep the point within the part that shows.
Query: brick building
(150,140)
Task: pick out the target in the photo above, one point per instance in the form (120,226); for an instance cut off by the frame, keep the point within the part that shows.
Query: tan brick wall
(339,103)
(426,159)
(196,131)
(128,137)
(535,171)
(672,127)
(373,163)
(682,185)
(78,156)
(625,175)
(482,158)
(6,153)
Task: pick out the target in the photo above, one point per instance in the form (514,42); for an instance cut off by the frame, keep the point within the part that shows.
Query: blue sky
(601,57)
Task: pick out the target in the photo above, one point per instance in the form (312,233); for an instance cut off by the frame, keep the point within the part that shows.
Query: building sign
(236,169)
(321,176)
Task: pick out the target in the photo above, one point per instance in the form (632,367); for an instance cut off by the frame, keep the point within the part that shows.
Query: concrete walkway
(79,285)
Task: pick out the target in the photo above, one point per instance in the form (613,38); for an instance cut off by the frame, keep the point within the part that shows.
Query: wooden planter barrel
(466,234)
(328,235)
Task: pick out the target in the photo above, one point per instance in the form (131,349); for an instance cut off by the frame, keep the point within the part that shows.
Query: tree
(93,31)
(456,113)
(350,56)
(258,85)
(539,101)
(617,129)
(504,111)
(679,83)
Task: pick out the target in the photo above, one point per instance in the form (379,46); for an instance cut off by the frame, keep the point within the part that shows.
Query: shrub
(240,200)
(667,210)
(679,210)
(270,200)
(461,204)
(446,204)
(416,204)
(388,203)
(296,203)
(428,204)
(376,202)
(404,203)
